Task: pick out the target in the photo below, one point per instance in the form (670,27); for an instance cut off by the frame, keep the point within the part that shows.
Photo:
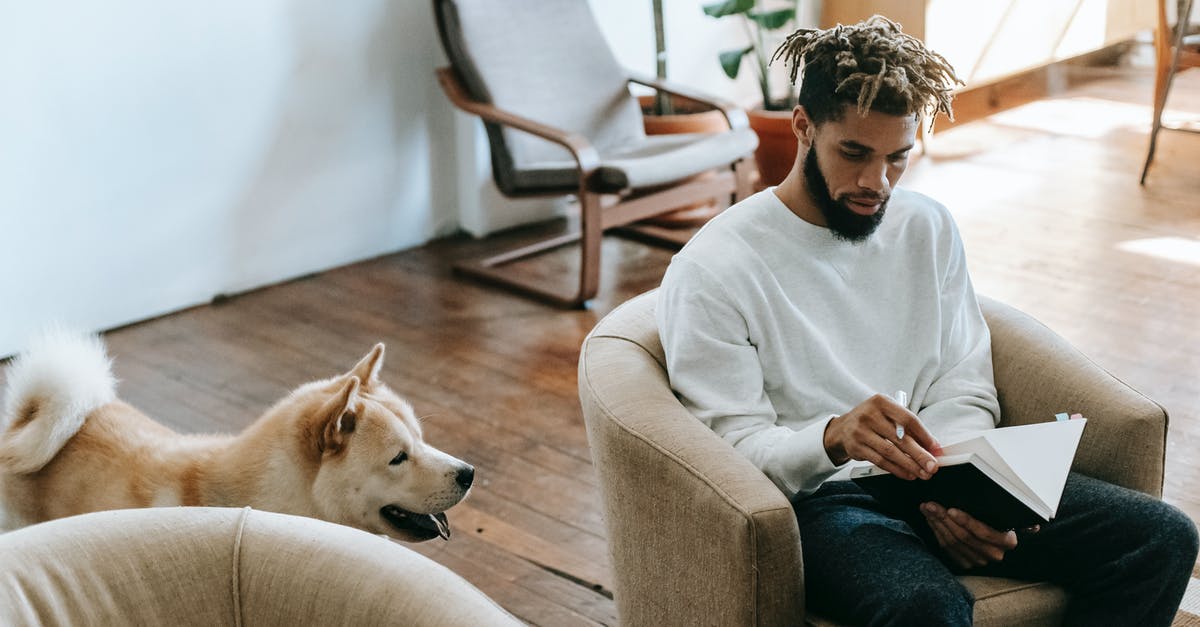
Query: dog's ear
(367,368)
(340,417)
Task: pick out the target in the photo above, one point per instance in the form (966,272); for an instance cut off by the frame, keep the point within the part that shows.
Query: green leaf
(728,7)
(773,19)
(731,61)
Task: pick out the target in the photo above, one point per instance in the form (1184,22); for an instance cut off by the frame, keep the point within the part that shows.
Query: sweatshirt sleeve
(962,396)
(715,371)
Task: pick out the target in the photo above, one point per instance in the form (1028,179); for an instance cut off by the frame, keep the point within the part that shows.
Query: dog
(346,450)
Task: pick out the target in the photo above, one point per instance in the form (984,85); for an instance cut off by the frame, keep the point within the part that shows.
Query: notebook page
(1040,454)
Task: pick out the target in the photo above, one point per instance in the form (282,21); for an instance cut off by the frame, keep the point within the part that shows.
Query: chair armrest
(1038,374)
(697,534)
(585,155)
(734,115)
(201,566)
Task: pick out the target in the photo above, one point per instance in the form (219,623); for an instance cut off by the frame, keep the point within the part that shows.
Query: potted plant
(772,121)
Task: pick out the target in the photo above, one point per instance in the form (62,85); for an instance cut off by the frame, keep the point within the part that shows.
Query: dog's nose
(465,476)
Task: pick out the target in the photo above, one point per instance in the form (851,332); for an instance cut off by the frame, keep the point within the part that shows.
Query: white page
(977,446)
(1040,454)
(867,469)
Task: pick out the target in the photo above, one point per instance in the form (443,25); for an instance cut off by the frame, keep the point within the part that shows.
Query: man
(790,319)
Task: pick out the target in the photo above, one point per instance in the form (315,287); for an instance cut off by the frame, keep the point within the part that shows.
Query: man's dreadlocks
(873,65)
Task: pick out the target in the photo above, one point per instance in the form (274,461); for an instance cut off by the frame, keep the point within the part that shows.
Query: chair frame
(598,212)
(1168,58)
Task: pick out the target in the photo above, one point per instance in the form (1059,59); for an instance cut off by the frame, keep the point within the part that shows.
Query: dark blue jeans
(1123,557)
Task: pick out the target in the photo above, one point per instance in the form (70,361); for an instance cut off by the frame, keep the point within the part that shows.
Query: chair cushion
(652,161)
(548,61)
(1000,601)
(545,60)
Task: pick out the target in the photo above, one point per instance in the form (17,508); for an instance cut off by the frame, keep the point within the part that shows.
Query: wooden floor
(1046,197)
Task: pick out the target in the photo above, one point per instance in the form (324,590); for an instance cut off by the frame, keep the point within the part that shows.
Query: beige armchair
(222,566)
(699,536)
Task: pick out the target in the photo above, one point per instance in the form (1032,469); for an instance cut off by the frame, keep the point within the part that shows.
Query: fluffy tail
(51,389)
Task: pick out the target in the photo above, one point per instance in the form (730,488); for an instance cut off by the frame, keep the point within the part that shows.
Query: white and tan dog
(347,450)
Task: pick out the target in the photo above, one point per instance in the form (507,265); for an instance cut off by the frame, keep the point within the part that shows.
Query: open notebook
(1009,478)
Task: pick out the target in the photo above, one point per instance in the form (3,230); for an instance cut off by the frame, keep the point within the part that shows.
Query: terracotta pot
(777,144)
(688,118)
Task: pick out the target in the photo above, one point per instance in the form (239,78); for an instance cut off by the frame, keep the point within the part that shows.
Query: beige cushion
(698,535)
(649,162)
(222,566)
(548,61)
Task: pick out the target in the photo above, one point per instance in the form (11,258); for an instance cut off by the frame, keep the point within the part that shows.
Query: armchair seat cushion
(653,161)
(1001,601)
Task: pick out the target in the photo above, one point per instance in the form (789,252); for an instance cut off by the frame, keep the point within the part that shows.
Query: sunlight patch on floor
(1085,117)
(1177,249)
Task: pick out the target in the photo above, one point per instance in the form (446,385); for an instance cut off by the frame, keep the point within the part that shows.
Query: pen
(902,400)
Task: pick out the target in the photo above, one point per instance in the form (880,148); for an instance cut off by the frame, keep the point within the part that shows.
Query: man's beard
(841,220)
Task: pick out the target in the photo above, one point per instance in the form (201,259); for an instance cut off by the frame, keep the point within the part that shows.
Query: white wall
(156,154)
(693,42)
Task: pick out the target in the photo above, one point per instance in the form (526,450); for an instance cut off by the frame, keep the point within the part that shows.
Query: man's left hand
(968,542)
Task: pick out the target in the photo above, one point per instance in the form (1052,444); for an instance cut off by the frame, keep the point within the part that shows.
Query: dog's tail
(51,389)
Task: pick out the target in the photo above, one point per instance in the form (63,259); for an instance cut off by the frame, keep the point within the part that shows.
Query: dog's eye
(398,459)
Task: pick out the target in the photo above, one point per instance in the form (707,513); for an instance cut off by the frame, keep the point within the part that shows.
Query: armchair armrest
(733,114)
(585,155)
(697,534)
(1038,374)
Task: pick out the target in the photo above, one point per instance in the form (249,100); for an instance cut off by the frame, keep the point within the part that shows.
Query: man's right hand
(868,433)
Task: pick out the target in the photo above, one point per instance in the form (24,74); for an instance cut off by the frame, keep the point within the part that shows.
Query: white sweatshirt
(772,326)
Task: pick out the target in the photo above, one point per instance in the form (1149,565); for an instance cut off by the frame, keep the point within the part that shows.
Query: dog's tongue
(434,522)
(402,519)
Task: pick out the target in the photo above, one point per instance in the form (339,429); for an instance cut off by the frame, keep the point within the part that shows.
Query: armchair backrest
(545,60)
